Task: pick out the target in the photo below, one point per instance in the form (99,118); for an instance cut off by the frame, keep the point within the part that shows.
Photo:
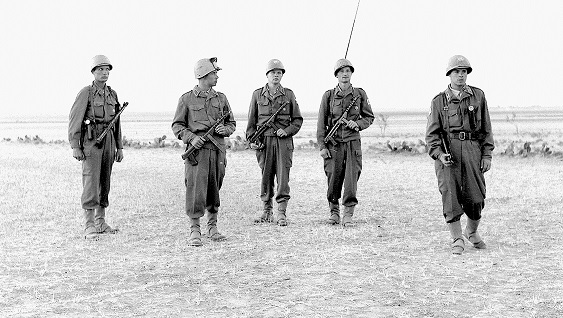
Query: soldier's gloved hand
(119,155)
(325,153)
(281,133)
(485,165)
(446,159)
(78,154)
(221,130)
(197,142)
(353,125)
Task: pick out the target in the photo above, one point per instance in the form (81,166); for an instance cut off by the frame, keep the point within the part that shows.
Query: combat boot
(471,234)
(100,222)
(458,244)
(347,217)
(90,231)
(334,214)
(281,219)
(195,233)
(266,216)
(212,231)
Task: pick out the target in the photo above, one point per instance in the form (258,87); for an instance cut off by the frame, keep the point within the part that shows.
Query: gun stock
(191,149)
(257,135)
(329,138)
(110,125)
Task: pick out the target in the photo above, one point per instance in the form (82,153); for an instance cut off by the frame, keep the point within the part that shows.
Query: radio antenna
(350,38)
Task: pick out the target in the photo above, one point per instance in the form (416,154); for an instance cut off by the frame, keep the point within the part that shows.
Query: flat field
(395,262)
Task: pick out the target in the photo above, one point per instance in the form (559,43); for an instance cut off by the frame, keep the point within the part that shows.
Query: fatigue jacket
(197,111)
(100,106)
(333,103)
(262,106)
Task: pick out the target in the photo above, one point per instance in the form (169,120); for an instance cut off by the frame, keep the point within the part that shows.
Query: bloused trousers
(96,172)
(275,160)
(343,169)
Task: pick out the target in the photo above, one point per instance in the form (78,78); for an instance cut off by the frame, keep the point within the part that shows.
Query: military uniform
(275,158)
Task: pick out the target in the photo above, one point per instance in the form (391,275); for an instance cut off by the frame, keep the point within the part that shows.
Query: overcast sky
(399,49)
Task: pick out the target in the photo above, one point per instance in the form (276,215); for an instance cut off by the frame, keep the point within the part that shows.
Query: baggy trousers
(275,160)
(344,169)
(462,185)
(203,181)
(96,172)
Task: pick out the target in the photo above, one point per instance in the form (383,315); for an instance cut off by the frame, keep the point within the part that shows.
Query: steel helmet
(205,66)
(273,65)
(458,61)
(100,60)
(341,64)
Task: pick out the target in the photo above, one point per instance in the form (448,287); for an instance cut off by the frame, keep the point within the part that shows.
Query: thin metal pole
(350,38)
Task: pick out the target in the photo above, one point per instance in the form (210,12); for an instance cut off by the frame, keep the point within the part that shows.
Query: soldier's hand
(221,130)
(325,153)
(256,145)
(353,125)
(485,165)
(197,142)
(78,154)
(281,133)
(446,159)
(119,155)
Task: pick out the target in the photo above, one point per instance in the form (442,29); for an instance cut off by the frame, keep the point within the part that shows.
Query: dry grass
(394,263)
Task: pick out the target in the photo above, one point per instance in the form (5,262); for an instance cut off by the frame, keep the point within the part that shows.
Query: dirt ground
(395,262)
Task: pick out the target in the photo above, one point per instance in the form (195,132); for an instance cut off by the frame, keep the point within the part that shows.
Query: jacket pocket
(197,112)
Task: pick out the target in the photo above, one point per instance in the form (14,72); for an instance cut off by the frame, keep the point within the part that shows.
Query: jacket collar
(100,90)
(280,91)
(343,93)
(465,91)
(200,93)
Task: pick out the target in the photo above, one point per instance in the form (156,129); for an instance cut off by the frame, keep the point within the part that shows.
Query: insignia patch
(446,108)
(471,108)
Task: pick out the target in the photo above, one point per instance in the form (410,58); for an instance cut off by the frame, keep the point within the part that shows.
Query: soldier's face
(274,76)
(344,75)
(211,78)
(458,77)
(101,73)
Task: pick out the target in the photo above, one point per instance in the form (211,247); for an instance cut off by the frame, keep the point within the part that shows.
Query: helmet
(458,61)
(205,66)
(341,64)
(100,60)
(273,65)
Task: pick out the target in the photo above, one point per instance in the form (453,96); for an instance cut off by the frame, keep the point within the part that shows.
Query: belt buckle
(462,135)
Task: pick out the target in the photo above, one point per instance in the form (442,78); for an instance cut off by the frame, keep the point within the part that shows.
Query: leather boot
(266,216)
(100,222)
(281,219)
(334,213)
(471,234)
(212,231)
(90,231)
(347,217)
(195,233)
(458,245)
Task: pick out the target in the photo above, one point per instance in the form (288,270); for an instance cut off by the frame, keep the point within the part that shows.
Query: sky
(399,50)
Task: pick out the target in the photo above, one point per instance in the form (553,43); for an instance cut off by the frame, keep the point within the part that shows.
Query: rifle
(208,134)
(110,125)
(261,129)
(341,120)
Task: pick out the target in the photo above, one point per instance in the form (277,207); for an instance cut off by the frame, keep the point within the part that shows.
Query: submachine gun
(257,136)
(207,136)
(110,126)
(329,138)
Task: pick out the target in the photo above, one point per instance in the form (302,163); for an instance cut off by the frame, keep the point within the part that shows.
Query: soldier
(274,151)
(94,107)
(343,157)
(460,141)
(197,111)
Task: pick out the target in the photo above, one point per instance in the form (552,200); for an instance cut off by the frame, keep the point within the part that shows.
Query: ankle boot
(195,233)
(100,222)
(90,231)
(282,207)
(471,234)
(458,245)
(348,214)
(266,216)
(334,213)
(212,231)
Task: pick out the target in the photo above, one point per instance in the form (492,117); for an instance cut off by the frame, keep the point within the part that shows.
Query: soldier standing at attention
(94,107)
(197,111)
(343,157)
(460,141)
(274,151)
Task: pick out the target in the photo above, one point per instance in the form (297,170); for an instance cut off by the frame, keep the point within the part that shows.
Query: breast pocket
(264,108)
(197,112)
(337,107)
(454,118)
(98,109)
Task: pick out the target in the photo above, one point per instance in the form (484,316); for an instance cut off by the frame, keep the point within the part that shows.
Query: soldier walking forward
(343,153)
(460,141)
(94,107)
(274,149)
(197,111)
